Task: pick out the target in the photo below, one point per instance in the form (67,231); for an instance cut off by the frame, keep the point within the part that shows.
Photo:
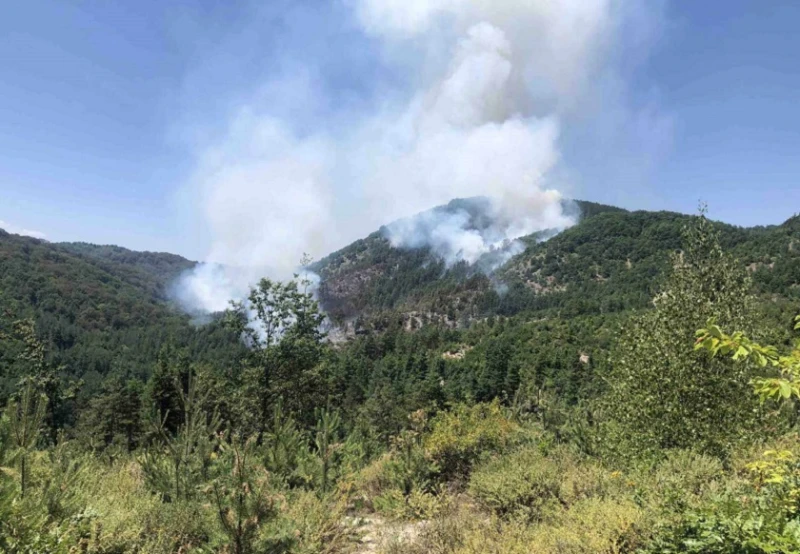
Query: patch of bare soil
(378,534)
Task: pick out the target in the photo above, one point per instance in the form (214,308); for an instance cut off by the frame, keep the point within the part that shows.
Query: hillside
(611,261)
(616,261)
(507,410)
(103,309)
(99,309)
(370,275)
(152,272)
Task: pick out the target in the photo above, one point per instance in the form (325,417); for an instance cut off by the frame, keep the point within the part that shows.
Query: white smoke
(267,200)
(493,82)
(209,287)
(478,229)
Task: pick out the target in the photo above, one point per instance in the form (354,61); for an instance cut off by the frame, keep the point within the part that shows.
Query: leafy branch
(739,347)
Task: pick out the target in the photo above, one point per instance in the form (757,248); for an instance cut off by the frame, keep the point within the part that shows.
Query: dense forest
(100,311)
(627,385)
(612,261)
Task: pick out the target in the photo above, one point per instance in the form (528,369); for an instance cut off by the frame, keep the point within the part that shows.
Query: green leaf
(740,353)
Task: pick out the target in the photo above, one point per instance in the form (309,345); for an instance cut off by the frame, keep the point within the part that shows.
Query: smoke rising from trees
(487,89)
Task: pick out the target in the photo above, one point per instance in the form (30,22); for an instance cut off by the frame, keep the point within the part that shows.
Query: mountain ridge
(94,302)
(612,260)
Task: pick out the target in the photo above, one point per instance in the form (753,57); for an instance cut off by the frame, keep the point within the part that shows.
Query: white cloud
(17,230)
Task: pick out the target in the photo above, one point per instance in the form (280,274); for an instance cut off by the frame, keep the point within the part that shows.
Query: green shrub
(306,524)
(522,484)
(398,485)
(527,482)
(370,482)
(591,526)
(419,504)
(401,482)
(757,515)
(461,436)
(683,480)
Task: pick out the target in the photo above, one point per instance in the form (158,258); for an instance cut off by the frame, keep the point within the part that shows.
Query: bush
(527,483)
(522,484)
(306,524)
(683,480)
(757,515)
(417,505)
(396,474)
(591,526)
(459,437)
(398,485)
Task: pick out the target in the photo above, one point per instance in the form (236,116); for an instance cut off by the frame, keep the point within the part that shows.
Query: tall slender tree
(25,418)
(281,324)
(661,393)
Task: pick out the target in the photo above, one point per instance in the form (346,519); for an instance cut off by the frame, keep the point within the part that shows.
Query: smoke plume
(479,229)
(486,90)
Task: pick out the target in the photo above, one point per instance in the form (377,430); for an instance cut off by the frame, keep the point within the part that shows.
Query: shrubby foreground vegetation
(673,429)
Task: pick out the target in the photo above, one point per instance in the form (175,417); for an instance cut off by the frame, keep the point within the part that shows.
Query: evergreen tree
(166,385)
(241,497)
(114,415)
(493,377)
(44,376)
(25,419)
(326,435)
(181,459)
(284,446)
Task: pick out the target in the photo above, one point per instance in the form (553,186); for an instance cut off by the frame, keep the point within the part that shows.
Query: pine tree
(492,378)
(25,418)
(326,434)
(284,445)
(166,386)
(181,460)
(114,415)
(43,376)
(240,495)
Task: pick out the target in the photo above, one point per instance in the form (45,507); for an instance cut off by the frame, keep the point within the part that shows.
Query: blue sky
(105,106)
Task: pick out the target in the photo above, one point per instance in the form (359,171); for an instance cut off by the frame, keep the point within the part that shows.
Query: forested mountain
(601,391)
(153,272)
(612,260)
(370,275)
(98,309)
(92,303)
